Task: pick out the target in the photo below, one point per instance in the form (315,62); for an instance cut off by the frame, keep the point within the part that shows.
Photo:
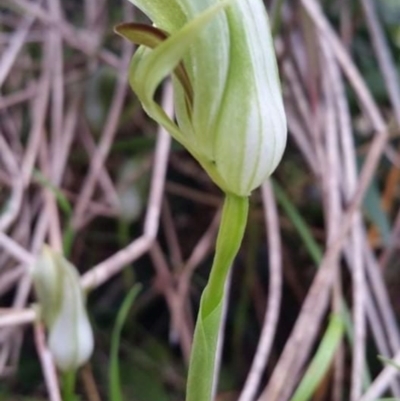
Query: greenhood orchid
(228,101)
(229,116)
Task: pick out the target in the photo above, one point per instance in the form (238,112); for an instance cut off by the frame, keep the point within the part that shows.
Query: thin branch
(384,56)
(106,269)
(48,368)
(274,296)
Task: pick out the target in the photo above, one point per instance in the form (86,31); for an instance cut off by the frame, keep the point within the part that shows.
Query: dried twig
(274,297)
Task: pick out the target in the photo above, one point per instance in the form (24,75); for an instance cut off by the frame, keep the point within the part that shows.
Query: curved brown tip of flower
(150,36)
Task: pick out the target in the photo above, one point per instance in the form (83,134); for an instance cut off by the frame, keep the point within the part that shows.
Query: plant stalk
(202,375)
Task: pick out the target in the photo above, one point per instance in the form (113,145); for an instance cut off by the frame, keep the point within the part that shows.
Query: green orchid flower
(62,307)
(228,100)
(229,116)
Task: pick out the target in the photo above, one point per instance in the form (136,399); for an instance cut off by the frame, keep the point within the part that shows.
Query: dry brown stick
(107,137)
(353,75)
(374,316)
(299,135)
(349,163)
(344,118)
(68,134)
(331,183)
(377,329)
(338,91)
(314,307)
(38,115)
(11,317)
(382,299)
(37,240)
(95,208)
(179,330)
(56,69)
(274,296)
(16,350)
(96,18)
(89,383)
(171,237)
(382,381)
(49,201)
(349,180)
(9,278)
(106,269)
(20,96)
(192,194)
(16,43)
(346,28)
(104,180)
(100,273)
(15,249)
(4,354)
(299,97)
(79,40)
(46,360)
(33,87)
(35,36)
(384,56)
(35,135)
(306,327)
(14,204)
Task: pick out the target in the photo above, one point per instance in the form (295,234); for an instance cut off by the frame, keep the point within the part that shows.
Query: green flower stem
(202,362)
(68,385)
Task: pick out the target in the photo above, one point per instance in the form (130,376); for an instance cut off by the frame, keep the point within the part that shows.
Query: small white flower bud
(63,310)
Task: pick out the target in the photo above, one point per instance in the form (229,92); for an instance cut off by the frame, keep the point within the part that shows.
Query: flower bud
(62,303)
(228,101)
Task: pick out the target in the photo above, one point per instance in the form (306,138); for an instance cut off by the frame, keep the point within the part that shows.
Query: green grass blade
(62,201)
(301,226)
(321,361)
(388,361)
(115,393)
(373,208)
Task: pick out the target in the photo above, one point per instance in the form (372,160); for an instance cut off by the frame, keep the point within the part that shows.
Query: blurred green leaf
(115,393)
(373,207)
(389,11)
(321,361)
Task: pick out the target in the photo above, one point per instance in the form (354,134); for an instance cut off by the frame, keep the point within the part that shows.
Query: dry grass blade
(385,59)
(106,269)
(274,297)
